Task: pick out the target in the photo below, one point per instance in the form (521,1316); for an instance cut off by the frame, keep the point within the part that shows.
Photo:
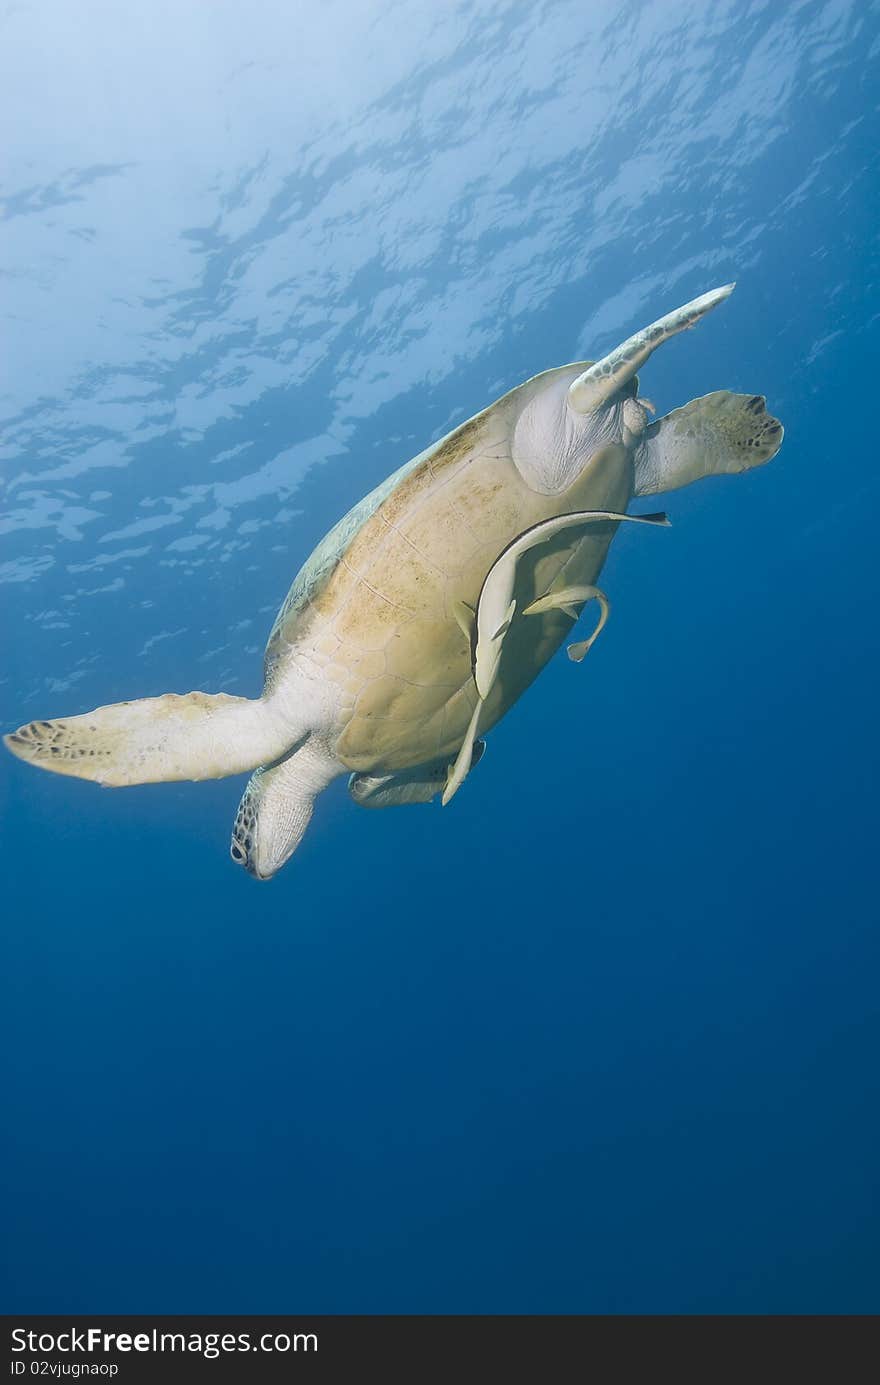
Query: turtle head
(564,424)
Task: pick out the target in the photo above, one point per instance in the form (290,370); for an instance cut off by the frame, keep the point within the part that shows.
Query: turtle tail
(191,736)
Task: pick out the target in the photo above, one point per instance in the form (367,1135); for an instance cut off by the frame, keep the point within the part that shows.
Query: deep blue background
(603,1036)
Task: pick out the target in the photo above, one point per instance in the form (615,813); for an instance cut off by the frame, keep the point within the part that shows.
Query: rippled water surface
(602,1035)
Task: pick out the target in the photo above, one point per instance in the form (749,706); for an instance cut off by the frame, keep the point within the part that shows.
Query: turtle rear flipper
(711,436)
(156,739)
(276,808)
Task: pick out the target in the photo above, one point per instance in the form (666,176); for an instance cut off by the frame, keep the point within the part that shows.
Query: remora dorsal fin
(464,618)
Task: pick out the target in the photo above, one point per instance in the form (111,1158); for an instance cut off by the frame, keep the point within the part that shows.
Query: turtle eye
(237,853)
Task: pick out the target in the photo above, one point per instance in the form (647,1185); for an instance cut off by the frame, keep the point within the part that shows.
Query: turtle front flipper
(276,808)
(715,435)
(157,739)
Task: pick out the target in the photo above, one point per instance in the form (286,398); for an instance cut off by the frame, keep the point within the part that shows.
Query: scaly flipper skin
(156,739)
(718,434)
(600,381)
(276,808)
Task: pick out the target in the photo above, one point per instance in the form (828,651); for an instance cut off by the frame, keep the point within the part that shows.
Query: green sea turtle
(431,606)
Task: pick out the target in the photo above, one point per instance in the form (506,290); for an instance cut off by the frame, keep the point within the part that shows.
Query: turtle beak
(596,386)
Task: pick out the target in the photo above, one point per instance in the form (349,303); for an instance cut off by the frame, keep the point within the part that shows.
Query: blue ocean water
(602,1036)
